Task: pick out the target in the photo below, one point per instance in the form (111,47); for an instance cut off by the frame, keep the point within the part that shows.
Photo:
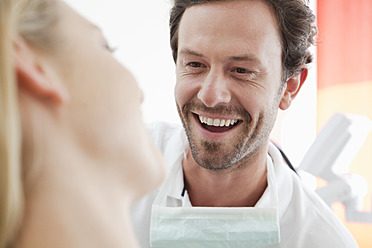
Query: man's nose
(214,90)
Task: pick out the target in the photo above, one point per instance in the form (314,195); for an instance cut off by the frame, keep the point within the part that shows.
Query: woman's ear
(35,75)
(292,87)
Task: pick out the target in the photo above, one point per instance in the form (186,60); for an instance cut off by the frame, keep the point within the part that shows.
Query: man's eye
(242,70)
(243,74)
(194,64)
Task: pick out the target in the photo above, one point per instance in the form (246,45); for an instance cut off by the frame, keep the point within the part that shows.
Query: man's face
(228,80)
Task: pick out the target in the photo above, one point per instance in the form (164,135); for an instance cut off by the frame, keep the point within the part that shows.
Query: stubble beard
(213,155)
(219,156)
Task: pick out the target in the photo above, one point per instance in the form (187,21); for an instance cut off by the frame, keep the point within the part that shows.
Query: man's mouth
(217,125)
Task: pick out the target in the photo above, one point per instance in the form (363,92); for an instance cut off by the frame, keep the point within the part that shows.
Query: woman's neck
(70,205)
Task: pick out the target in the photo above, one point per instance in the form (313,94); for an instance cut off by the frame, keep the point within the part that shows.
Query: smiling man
(237,62)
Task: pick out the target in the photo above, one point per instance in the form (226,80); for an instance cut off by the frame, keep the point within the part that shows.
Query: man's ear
(292,87)
(35,75)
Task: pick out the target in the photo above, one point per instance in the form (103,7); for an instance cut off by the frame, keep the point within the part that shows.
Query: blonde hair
(33,20)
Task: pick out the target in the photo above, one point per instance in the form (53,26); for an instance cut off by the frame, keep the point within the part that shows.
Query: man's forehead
(241,32)
(241,14)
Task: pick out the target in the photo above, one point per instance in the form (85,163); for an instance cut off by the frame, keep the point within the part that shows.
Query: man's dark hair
(296,25)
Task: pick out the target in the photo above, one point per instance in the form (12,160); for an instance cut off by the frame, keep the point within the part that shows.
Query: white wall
(139,29)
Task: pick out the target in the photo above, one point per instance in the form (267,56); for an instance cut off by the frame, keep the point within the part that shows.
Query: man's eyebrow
(243,58)
(187,51)
(257,63)
(250,58)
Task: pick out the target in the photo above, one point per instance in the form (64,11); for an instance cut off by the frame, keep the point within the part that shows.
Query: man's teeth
(217,122)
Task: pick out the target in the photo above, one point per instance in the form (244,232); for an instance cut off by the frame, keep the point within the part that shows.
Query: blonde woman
(74,153)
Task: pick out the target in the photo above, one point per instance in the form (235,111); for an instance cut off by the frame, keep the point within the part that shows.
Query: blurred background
(340,81)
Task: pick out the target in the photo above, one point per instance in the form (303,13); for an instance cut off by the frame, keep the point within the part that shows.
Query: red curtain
(344,54)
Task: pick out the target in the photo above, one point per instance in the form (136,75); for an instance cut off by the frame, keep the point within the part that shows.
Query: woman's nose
(141,96)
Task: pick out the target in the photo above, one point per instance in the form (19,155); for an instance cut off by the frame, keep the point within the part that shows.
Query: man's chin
(212,158)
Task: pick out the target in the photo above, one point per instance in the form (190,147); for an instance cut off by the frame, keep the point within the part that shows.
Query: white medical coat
(305,220)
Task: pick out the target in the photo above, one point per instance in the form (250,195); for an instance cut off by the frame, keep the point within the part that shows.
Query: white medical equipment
(329,157)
